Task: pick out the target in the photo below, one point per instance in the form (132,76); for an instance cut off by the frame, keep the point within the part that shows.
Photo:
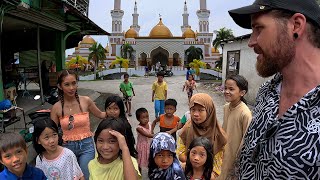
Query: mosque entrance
(160,55)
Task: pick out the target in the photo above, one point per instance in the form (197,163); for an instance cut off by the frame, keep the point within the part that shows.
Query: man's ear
(299,23)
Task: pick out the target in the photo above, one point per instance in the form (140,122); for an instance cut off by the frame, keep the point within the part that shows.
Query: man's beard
(281,53)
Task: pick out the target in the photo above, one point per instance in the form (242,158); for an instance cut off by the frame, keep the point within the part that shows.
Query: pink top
(81,127)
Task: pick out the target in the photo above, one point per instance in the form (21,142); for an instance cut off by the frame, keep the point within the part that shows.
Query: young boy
(159,94)
(13,155)
(127,90)
(168,121)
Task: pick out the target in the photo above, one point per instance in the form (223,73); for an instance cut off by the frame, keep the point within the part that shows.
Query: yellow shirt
(110,171)
(159,90)
(217,160)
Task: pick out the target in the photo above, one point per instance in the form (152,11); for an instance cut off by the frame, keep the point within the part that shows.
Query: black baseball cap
(309,8)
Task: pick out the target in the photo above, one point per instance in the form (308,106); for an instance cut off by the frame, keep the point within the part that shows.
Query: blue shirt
(30,173)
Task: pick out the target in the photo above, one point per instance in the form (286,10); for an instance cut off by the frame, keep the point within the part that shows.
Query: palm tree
(193,53)
(126,51)
(97,53)
(222,34)
(196,64)
(124,63)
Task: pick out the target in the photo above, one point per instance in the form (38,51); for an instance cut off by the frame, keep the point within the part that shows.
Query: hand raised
(121,139)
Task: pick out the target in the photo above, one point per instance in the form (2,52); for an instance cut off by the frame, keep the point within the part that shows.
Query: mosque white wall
(247,67)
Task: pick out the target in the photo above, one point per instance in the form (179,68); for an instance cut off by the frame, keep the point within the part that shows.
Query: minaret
(185,15)
(204,36)
(117,15)
(135,16)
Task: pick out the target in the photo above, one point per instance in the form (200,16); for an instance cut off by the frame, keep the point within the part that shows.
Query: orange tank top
(174,123)
(81,127)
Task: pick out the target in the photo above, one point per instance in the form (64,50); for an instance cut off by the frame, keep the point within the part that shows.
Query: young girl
(144,135)
(199,163)
(55,161)
(237,117)
(189,86)
(163,162)
(113,160)
(203,123)
(115,108)
(72,113)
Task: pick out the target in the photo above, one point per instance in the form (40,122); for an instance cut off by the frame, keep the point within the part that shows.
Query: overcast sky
(171,12)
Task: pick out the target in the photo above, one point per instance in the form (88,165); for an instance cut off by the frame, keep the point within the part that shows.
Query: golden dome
(131,33)
(160,31)
(214,50)
(87,40)
(189,33)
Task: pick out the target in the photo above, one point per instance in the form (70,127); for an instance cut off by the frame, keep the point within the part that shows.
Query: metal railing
(80,5)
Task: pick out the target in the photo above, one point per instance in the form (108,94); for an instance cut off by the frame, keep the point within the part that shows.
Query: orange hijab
(210,128)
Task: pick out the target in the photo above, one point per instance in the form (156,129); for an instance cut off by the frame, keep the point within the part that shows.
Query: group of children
(205,149)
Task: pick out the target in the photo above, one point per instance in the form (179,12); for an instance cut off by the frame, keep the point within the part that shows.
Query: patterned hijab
(164,141)
(210,128)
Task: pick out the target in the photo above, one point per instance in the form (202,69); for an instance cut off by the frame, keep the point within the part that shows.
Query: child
(199,163)
(144,133)
(203,123)
(189,85)
(127,90)
(159,94)
(163,162)
(55,161)
(168,121)
(114,160)
(237,117)
(114,108)
(13,155)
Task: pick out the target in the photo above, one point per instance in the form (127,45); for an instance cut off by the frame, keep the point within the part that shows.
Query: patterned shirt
(293,152)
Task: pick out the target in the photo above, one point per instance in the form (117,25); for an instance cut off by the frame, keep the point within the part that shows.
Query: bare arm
(154,124)
(54,112)
(165,94)
(82,178)
(134,94)
(94,109)
(142,132)
(152,95)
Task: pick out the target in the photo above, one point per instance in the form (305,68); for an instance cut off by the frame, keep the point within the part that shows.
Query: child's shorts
(127,98)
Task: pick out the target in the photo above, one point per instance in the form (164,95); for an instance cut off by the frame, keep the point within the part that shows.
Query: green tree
(193,53)
(222,34)
(97,53)
(76,63)
(126,51)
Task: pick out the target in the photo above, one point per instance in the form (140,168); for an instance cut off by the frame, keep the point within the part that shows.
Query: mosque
(160,45)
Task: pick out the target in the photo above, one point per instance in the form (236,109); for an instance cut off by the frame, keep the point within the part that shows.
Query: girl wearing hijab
(203,123)
(163,162)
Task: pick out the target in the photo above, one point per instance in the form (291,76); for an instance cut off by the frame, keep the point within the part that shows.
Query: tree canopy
(222,34)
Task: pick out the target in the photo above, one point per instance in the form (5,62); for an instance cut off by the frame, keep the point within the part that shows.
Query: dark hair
(241,82)
(191,76)
(117,124)
(39,127)
(125,75)
(313,30)
(140,111)
(188,68)
(118,101)
(160,73)
(11,140)
(171,102)
(208,165)
(61,77)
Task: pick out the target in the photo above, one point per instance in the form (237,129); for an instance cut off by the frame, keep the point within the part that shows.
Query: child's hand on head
(121,139)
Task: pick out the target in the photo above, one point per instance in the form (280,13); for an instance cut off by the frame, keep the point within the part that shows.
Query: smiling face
(69,85)
(271,41)
(164,159)
(49,140)
(15,160)
(232,92)
(107,146)
(113,110)
(198,113)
